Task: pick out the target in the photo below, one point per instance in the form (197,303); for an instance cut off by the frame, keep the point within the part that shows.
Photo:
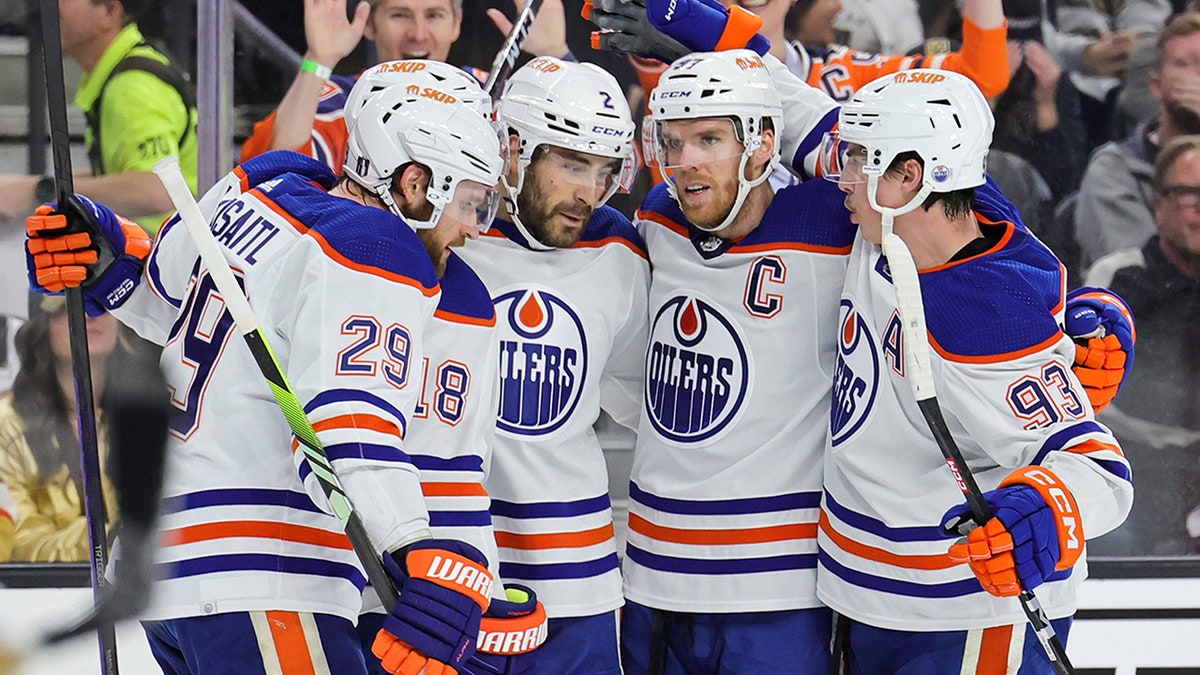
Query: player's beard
(537,217)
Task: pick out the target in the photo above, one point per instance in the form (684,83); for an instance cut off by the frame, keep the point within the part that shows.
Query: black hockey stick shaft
(81,370)
(920,377)
(510,51)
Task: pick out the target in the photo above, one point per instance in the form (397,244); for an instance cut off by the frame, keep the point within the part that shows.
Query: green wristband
(310,66)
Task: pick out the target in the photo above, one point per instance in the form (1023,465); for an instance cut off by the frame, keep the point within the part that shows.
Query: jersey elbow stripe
(448,489)
(263,562)
(551,571)
(239,497)
(459,518)
(299,534)
(995,358)
(551,509)
(366,451)
(880,529)
(726,566)
(466,463)
(720,507)
(876,554)
(722,537)
(538,542)
(361,421)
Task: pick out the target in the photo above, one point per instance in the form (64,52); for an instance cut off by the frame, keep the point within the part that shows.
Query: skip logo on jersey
(543,361)
(856,377)
(697,371)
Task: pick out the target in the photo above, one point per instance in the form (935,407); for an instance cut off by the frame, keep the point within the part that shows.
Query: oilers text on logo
(543,361)
(856,378)
(697,371)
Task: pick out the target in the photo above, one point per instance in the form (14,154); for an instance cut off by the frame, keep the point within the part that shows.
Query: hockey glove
(707,26)
(85,244)
(1102,326)
(626,28)
(510,631)
(1035,532)
(445,587)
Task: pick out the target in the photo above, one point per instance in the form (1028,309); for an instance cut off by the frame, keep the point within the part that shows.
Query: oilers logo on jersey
(697,371)
(543,360)
(856,377)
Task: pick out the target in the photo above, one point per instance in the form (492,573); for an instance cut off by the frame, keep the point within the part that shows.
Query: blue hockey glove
(509,633)
(1035,532)
(1102,326)
(445,587)
(626,28)
(85,244)
(707,26)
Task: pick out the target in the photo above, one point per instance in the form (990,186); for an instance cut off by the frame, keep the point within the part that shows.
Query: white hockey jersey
(572,334)
(1002,367)
(344,293)
(726,479)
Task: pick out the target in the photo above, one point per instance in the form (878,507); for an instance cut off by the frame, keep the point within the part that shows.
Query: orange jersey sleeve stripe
(300,534)
(358,421)
(537,542)
(749,535)
(913,562)
(453,490)
(1090,446)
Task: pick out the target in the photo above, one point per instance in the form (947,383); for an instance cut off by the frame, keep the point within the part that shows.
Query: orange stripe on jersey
(532,542)
(749,535)
(664,221)
(940,561)
(1093,446)
(1009,228)
(290,643)
(791,246)
(453,490)
(463,318)
(993,651)
(336,255)
(243,179)
(598,243)
(995,358)
(359,421)
(300,534)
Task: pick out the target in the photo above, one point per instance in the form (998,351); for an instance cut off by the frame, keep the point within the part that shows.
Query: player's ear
(413,183)
(762,154)
(514,154)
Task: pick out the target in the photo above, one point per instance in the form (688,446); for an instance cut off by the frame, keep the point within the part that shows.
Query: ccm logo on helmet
(749,63)
(606,131)
(400,67)
(675,94)
(921,78)
(544,65)
(430,92)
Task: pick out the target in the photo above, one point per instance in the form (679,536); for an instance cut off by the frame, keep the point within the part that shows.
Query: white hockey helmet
(940,115)
(419,73)
(733,84)
(431,127)
(577,106)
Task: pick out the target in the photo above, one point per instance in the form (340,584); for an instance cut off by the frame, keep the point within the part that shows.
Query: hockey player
(914,149)
(310,118)
(568,277)
(452,430)
(255,570)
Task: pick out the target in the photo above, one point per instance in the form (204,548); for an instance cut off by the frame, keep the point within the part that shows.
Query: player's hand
(1036,531)
(509,633)
(548,34)
(707,25)
(445,587)
(330,36)
(626,28)
(85,245)
(1102,326)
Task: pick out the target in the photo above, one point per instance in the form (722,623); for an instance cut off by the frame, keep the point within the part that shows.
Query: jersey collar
(93,82)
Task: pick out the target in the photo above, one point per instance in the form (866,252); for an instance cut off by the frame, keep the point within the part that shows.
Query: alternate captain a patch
(698,371)
(543,360)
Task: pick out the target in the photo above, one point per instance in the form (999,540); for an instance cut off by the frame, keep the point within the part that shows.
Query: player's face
(472,205)
(854,184)
(703,157)
(413,29)
(1177,211)
(561,190)
(816,26)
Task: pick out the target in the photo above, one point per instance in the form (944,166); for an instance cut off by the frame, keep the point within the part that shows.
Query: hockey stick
(920,378)
(506,58)
(81,369)
(172,179)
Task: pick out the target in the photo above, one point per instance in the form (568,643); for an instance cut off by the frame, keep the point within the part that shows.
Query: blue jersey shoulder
(363,235)
(1001,303)
(464,293)
(991,203)
(270,165)
(607,223)
(812,213)
(659,201)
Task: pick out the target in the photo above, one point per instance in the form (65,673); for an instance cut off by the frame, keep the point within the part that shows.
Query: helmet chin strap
(888,213)
(510,201)
(744,187)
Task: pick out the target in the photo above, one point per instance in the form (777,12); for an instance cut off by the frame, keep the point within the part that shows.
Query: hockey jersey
(726,480)
(344,293)
(571,326)
(329,135)
(1002,366)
